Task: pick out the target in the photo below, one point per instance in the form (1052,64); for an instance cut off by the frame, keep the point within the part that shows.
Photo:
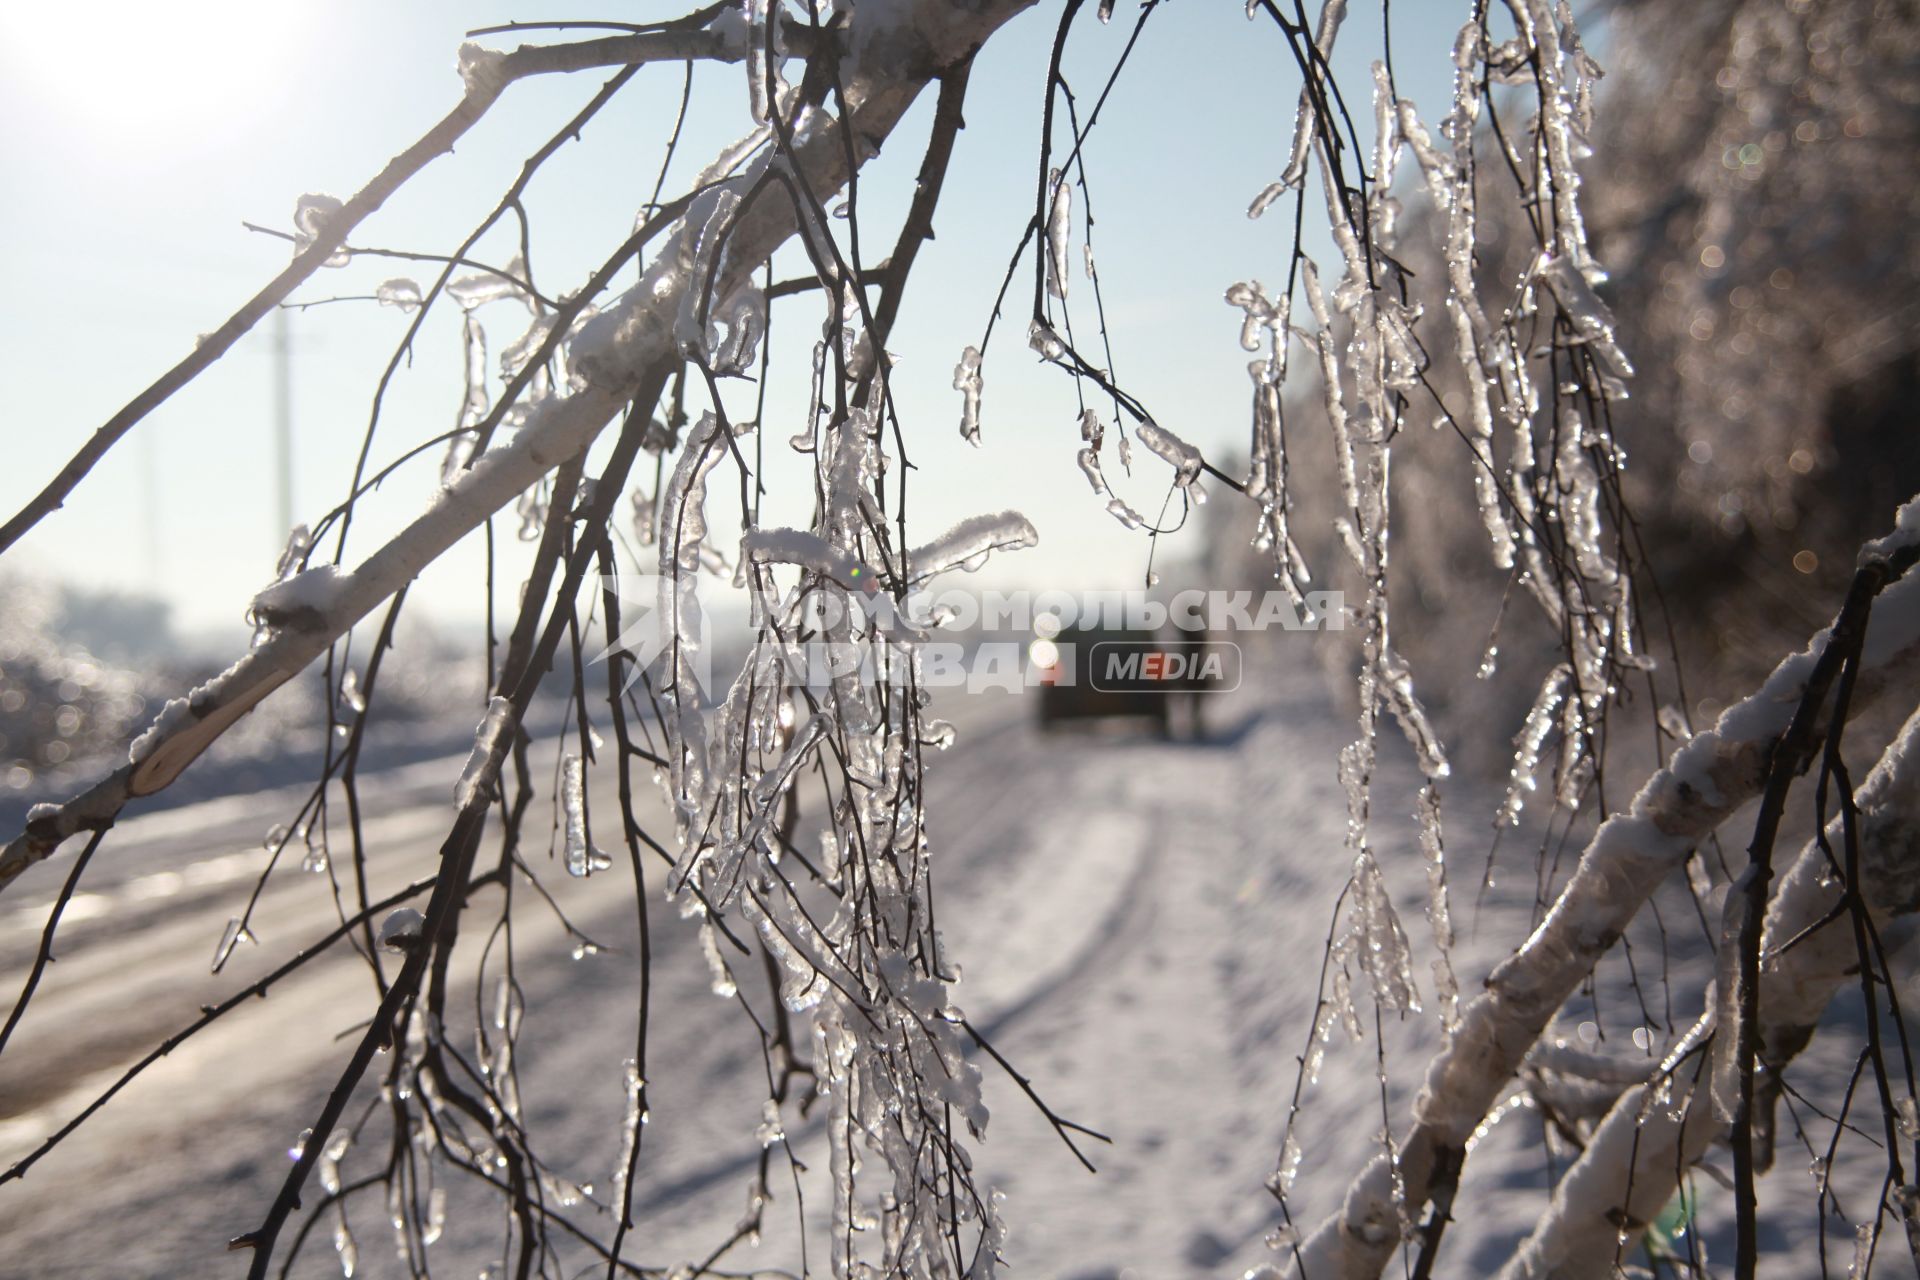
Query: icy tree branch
(1657,1130)
(895,50)
(1709,778)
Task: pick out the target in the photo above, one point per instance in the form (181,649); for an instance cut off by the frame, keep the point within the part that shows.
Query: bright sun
(140,71)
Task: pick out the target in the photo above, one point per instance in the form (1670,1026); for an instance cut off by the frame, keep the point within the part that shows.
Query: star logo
(661,623)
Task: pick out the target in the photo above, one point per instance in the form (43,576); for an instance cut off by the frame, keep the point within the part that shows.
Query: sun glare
(134,72)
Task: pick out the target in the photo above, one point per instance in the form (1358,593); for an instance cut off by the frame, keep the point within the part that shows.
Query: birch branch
(895,49)
(1709,778)
(1631,1167)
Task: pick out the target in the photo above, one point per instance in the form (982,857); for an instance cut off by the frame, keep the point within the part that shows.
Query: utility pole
(283,423)
(150,482)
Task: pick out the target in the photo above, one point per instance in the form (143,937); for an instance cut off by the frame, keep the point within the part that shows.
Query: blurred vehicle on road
(1100,672)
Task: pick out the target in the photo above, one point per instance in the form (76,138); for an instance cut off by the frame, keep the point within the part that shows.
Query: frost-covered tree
(1411,326)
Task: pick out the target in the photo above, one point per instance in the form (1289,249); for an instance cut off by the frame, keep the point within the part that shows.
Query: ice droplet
(489,741)
(1042,338)
(770,1130)
(401,929)
(236,933)
(629,1131)
(399,292)
(311,213)
(1589,315)
(1316,1056)
(1059,234)
(328,1166)
(508,1007)
(1183,457)
(722,977)
(480,67)
(1862,1251)
(350,693)
(1268,194)
(1090,468)
(344,1246)
(968,543)
(1384,953)
(436,1223)
(966,380)
(1289,1167)
(1439,913)
(1527,743)
(564,1193)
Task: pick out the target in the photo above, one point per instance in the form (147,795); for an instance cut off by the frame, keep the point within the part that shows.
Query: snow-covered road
(1140,925)
(1097,888)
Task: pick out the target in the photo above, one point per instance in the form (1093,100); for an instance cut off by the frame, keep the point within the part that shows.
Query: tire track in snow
(1002,886)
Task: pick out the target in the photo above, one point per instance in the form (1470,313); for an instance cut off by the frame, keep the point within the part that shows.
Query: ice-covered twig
(968,544)
(811,552)
(1313,106)
(1185,460)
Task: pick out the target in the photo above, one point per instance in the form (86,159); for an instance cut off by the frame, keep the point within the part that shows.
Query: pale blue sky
(136,144)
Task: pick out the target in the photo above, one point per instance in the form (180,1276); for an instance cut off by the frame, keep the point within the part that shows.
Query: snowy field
(1140,925)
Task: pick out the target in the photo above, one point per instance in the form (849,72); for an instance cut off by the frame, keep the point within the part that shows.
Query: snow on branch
(898,49)
(1709,778)
(1657,1130)
(968,544)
